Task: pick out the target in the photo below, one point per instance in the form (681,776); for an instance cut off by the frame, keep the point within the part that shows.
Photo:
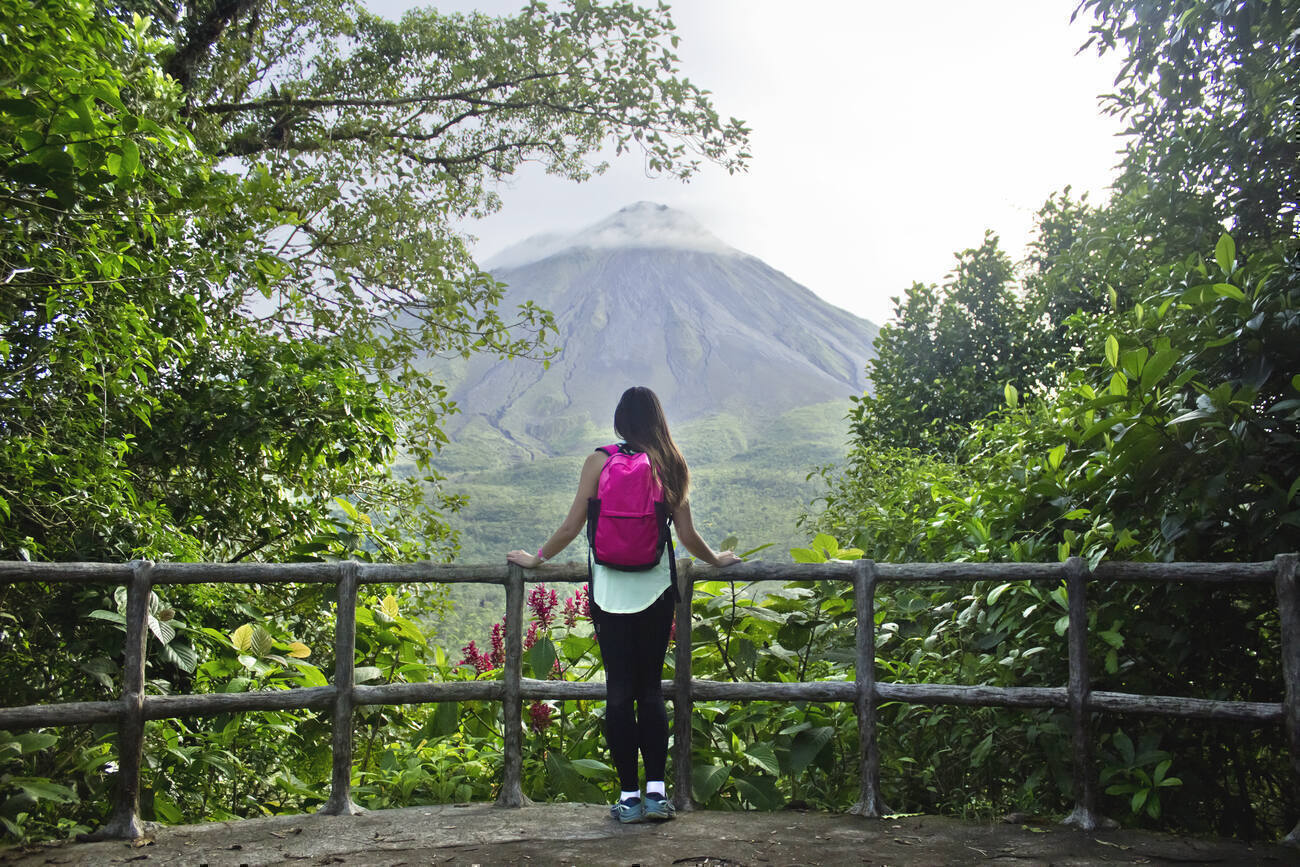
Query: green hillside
(749,479)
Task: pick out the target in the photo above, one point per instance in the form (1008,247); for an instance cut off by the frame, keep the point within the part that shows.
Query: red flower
(498,656)
(481,661)
(577,605)
(543,604)
(471,656)
(539,716)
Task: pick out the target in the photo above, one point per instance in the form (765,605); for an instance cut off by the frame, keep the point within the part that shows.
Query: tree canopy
(233,234)
(1132,392)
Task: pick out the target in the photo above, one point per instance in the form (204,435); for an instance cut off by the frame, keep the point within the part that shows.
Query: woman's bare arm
(573,522)
(692,542)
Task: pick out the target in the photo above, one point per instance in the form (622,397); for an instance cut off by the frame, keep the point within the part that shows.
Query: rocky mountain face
(649,297)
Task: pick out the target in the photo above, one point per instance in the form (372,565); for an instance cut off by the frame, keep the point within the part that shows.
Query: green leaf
(261,643)
(130,160)
(20,108)
(706,780)
(1055,456)
(759,791)
(1157,367)
(1119,384)
(541,658)
(1112,350)
(181,655)
(30,742)
(1227,290)
(1225,254)
(167,810)
(1011,395)
(43,790)
(805,555)
(593,769)
(161,629)
(242,638)
(311,675)
(444,721)
(807,744)
(763,755)
(996,593)
(348,509)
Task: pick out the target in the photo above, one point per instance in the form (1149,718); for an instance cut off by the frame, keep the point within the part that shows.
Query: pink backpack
(627,520)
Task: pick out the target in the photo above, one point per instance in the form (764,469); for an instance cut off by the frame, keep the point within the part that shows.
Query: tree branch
(201,35)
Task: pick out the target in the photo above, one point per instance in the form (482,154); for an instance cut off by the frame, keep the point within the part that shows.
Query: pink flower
(481,661)
(498,656)
(539,716)
(471,656)
(543,604)
(531,638)
(577,605)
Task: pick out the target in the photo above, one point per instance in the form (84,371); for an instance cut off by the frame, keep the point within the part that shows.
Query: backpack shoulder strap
(609,450)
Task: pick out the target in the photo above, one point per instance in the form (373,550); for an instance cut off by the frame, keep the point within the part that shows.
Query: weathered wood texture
(869,802)
(570,572)
(1192,573)
(1084,816)
(177,706)
(16,571)
(512,775)
(420,693)
(68,713)
(340,801)
(866,693)
(124,820)
(681,690)
(932,694)
(1288,603)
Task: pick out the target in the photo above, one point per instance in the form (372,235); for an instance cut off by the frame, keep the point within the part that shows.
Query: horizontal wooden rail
(934,694)
(134,707)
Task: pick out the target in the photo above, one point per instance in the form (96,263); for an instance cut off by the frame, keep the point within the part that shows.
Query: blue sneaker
(628,812)
(658,808)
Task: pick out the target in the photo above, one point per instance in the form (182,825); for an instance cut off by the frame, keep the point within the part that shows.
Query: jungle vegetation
(207,354)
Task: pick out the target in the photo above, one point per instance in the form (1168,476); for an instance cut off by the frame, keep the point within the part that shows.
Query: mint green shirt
(621,592)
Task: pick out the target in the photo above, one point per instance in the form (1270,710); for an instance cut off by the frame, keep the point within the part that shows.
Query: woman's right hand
(523,558)
(726,558)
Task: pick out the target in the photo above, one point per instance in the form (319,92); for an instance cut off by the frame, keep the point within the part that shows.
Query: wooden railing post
(1288,605)
(340,802)
(124,820)
(1084,816)
(869,802)
(512,791)
(682,701)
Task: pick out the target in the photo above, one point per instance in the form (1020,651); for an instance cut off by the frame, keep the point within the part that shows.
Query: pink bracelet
(539,554)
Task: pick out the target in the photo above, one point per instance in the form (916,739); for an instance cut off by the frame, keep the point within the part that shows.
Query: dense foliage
(229,241)
(229,234)
(1147,406)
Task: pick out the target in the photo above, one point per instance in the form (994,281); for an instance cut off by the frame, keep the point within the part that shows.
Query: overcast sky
(886,136)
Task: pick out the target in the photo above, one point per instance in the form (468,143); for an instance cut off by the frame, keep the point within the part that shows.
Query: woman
(633,611)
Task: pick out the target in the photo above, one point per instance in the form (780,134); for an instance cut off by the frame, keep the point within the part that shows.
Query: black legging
(632,647)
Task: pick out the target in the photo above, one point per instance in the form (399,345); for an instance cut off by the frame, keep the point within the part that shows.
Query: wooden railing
(135,707)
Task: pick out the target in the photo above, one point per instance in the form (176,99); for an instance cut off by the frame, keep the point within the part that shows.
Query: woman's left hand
(523,558)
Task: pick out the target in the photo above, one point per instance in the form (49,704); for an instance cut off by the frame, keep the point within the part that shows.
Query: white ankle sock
(655,787)
(635,793)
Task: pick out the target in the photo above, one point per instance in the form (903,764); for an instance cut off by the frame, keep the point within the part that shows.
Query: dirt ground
(579,834)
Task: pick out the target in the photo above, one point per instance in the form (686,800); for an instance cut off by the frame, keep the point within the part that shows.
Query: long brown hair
(639,420)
